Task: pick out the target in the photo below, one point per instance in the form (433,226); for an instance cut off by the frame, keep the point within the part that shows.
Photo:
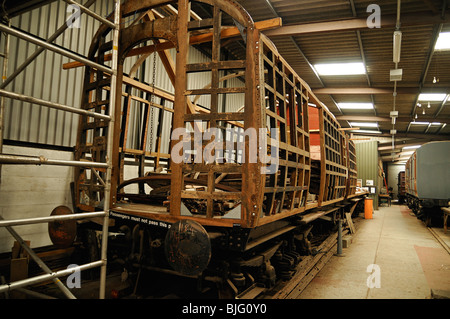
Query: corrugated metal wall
(367,164)
(44,78)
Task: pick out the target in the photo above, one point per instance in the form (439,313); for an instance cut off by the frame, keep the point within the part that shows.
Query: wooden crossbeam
(207,37)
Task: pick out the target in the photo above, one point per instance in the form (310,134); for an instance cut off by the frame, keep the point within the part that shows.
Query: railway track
(307,269)
(305,272)
(439,239)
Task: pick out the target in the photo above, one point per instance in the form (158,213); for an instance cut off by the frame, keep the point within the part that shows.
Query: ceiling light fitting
(356,106)
(353,68)
(443,41)
(433,97)
(397,46)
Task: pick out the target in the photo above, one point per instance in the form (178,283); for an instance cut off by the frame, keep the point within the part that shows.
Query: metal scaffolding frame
(40,160)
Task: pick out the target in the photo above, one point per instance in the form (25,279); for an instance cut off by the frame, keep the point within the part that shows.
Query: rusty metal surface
(62,233)
(187,247)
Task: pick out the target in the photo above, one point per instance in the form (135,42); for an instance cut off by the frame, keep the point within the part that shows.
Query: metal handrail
(38,220)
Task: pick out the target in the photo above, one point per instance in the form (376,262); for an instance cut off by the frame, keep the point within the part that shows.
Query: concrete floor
(408,260)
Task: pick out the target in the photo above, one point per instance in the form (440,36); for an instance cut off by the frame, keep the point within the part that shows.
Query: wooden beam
(402,140)
(387,21)
(401,119)
(363,118)
(207,37)
(385,133)
(148,88)
(368,90)
(430,5)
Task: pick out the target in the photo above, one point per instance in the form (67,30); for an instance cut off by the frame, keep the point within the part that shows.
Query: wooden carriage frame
(274,97)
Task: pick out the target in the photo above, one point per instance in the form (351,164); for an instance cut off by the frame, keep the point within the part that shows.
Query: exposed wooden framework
(273,99)
(328,153)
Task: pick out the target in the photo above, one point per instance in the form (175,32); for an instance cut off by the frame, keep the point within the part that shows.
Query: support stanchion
(339,240)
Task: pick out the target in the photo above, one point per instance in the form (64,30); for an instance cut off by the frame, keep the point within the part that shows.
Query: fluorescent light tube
(356,106)
(340,68)
(366,131)
(436,97)
(364,124)
(397,46)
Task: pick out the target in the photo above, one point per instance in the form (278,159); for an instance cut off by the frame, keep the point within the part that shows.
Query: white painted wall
(28,191)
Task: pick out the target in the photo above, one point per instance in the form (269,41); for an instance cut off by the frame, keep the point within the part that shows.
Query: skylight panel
(340,68)
(443,41)
(356,106)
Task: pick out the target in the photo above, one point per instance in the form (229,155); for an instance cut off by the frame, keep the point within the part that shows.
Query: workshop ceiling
(346,31)
(336,31)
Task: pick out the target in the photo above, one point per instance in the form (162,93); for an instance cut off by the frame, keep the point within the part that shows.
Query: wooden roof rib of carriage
(251,88)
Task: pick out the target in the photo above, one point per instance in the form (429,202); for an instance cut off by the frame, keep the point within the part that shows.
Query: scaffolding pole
(2,99)
(32,39)
(40,220)
(33,100)
(38,51)
(91,13)
(49,276)
(109,148)
(39,261)
(40,160)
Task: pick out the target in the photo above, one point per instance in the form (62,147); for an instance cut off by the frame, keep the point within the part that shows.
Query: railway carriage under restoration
(352,168)
(226,175)
(427,180)
(401,187)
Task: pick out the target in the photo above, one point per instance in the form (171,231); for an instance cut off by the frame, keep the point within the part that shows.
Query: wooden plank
(148,88)
(215,91)
(348,217)
(220,65)
(19,266)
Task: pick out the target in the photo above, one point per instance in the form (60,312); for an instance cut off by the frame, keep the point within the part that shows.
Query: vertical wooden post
(180,101)
(252,179)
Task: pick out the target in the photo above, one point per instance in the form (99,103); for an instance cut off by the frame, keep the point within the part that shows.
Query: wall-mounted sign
(359,182)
